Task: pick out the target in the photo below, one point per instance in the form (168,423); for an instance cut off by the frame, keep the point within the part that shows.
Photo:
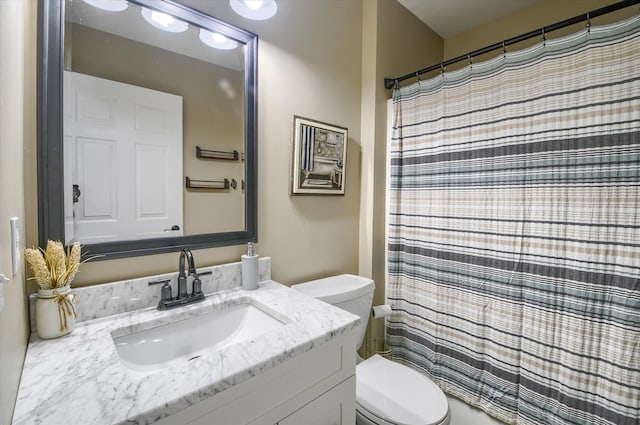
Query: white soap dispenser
(249,268)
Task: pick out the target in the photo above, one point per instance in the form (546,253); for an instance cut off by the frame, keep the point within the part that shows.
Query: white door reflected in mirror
(124,145)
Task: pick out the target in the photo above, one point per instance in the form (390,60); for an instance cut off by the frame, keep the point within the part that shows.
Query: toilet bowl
(387,393)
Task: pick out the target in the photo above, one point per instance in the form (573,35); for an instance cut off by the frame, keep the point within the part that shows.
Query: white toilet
(387,393)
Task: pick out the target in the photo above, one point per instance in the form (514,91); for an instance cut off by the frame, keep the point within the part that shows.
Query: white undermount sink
(157,347)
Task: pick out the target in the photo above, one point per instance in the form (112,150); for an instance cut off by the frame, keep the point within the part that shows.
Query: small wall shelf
(206,184)
(216,154)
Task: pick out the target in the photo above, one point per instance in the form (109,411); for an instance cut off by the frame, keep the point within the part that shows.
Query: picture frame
(319,158)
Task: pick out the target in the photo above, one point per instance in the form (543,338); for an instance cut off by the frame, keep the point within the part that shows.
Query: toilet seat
(388,393)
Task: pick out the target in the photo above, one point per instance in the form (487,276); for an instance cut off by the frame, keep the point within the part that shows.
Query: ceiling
(451,17)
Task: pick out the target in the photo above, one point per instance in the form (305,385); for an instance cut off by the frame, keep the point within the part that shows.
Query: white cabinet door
(123,148)
(335,407)
(316,387)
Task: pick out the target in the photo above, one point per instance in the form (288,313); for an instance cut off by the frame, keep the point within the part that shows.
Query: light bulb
(254,4)
(217,40)
(163,21)
(254,9)
(162,18)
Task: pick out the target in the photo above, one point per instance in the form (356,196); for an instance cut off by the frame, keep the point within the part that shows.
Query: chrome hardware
(182,297)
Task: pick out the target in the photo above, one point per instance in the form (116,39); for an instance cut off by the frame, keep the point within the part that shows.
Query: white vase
(55,312)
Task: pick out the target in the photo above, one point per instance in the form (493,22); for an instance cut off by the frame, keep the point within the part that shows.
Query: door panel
(125,153)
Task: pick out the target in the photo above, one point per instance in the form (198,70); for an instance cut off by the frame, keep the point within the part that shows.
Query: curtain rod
(391,82)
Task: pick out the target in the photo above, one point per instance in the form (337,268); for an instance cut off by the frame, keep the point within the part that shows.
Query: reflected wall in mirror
(126,98)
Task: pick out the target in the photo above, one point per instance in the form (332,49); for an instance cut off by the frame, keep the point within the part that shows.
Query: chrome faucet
(183,297)
(182,275)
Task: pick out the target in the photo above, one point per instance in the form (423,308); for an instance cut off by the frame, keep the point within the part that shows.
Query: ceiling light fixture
(163,21)
(217,40)
(109,5)
(257,10)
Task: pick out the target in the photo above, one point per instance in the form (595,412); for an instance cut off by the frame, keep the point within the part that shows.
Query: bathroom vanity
(269,356)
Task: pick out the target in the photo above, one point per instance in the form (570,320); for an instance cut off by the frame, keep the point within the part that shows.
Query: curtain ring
(469,59)
(504,48)
(442,67)
(588,24)
(418,80)
(544,37)
(396,90)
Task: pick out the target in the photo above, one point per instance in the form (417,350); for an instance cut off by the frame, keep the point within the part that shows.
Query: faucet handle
(197,286)
(196,290)
(159,282)
(166,291)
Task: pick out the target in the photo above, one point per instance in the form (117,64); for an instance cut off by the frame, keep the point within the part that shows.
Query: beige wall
(17,135)
(396,43)
(309,65)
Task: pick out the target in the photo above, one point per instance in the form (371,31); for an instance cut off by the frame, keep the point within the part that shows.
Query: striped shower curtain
(514,230)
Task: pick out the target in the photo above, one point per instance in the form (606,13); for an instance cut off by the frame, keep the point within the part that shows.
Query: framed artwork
(319,158)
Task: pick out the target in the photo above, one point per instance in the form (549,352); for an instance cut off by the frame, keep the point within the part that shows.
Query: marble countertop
(79,379)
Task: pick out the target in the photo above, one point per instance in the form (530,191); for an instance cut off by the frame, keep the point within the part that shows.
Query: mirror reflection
(154,125)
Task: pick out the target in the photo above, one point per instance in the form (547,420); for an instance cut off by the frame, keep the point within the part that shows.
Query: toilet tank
(348,292)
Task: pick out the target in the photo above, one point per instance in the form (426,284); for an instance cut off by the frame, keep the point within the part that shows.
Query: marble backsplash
(128,295)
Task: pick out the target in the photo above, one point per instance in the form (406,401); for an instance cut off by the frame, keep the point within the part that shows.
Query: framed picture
(319,158)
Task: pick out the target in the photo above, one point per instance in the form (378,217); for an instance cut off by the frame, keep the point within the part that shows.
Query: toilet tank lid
(336,289)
